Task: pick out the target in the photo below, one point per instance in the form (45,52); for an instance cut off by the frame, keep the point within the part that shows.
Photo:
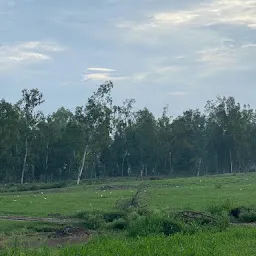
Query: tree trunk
(142,170)
(80,172)
(125,154)
(24,162)
(231,162)
(171,171)
(199,166)
(46,161)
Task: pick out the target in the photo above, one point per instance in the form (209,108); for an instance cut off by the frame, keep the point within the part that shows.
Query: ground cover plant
(133,217)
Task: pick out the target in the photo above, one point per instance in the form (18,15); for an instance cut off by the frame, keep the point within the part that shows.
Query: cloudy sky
(180,53)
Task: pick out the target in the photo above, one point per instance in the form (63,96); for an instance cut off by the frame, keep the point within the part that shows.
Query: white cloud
(159,73)
(233,12)
(45,46)
(230,55)
(178,93)
(101,69)
(248,45)
(102,74)
(218,57)
(25,53)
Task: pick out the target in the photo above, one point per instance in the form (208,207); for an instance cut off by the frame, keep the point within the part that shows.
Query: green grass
(21,227)
(235,241)
(190,193)
(162,196)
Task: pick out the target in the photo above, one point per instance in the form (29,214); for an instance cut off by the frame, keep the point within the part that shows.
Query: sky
(159,52)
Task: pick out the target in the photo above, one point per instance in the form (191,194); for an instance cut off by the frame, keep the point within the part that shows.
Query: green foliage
(94,220)
(233,242)
(113,141)
(118,224)
(218,185)
(31,187)
(222,208)
(247,215)
(153,224)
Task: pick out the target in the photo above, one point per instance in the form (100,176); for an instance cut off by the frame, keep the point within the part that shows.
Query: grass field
(197,194)
(191,193)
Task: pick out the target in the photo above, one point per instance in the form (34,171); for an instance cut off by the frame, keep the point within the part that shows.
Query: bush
(222,208)
(119,224)
(111,216)
(153,224)
(31,187)
(218,185)
(248,215)
(92,221)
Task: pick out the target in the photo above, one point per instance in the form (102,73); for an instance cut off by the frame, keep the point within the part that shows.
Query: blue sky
(180,53)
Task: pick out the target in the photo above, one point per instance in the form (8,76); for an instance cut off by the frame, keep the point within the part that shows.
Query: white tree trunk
(46,161)
(199,166)
(80,172)
(231,162)
(125,154)
(24,162)
(142,170)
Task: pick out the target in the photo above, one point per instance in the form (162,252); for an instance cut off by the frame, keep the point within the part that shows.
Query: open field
(42,212)
(191,193)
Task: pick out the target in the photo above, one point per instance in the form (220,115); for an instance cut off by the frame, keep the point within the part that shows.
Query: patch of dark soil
(117,187)
(62,237)
(203,218)
(70,231)
(49,220)
(68,235)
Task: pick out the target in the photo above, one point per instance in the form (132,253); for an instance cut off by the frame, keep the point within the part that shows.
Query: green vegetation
(233,242)
(100,140)
(174,194)
(182,216)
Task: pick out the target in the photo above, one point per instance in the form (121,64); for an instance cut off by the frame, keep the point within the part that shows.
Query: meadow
(45,211)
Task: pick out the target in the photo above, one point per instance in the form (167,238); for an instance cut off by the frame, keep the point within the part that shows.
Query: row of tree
(101,139)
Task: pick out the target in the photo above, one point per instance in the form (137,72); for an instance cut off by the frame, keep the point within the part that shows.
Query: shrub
(111,216)
(222,208)
(119,224)
(153,224)
(218,185)
(92,221)
(132,203)
(247,215)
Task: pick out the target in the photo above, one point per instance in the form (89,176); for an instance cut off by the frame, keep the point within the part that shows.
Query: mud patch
(59,238)
(117,187)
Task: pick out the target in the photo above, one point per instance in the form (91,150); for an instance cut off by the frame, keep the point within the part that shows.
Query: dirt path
(39,219)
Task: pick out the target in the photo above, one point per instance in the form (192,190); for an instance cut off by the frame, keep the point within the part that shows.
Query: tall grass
(233,242)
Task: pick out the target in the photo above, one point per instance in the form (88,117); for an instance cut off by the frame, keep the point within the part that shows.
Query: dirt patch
(117,187)
(68,235)
(49,220)
(61,237)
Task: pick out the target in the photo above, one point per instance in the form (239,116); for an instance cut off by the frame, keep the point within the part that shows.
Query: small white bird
(44,198)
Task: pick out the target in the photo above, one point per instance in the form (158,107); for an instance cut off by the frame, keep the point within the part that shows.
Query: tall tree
(31,99)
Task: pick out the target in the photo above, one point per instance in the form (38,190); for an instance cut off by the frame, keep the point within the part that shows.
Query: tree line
(101,139)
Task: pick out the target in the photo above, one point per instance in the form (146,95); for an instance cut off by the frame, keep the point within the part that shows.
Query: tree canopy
(101,139)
